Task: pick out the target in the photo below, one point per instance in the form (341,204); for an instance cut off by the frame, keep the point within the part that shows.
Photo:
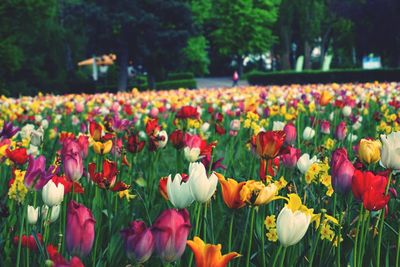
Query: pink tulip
(325,127)
(170,231)
(342,171)
(290,131)
(79,231)
(72,153)
(139,242)
(193,141)
(289,160)
(341,131)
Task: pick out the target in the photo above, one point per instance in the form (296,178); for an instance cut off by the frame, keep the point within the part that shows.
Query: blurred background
(64,46)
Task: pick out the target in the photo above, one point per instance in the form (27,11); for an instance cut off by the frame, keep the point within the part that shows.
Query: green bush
(313,76)
(175,84)
(180,76)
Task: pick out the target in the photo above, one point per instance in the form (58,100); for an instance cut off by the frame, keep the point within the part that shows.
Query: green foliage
(196,56)
(176,84)
(180,76)
(311,76)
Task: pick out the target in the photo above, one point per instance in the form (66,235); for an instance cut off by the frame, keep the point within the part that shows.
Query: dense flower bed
(254,176)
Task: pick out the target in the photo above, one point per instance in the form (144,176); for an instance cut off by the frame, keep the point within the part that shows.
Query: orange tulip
(207,255)
(231,192)
(325,98)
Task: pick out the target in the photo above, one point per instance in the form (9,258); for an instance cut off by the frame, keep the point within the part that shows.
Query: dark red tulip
(268,144)
(134,145)
(177,139)
(187,112)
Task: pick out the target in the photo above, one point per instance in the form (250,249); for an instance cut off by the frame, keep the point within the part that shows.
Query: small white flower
(278,126)
(346,111)
(308,133)
(53,194)
(33,214)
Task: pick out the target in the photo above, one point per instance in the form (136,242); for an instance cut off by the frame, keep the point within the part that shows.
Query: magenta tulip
(341,131)
(325,127)
(342,171)
(36,175)
(139,242)
(290,131)
(289,159)
(170,231)
(72,153)
(79,231)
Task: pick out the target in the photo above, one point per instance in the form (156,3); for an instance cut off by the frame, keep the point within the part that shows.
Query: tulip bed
(300,175)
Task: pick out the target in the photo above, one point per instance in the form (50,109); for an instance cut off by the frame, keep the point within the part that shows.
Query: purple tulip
(170,231)
(79,231)
(289,159)
(9,130)
(341,131)
(290,131)
(36,175)
(72,153)
(342,171)
(139,242)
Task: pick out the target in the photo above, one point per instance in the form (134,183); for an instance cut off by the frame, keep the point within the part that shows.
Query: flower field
(247,176)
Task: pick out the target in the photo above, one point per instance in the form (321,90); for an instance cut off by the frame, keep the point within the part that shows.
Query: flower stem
(250,236)
(357,234)
(283,257)
(398,248)
(230,232)
(338,244)
(314,247)
(20,234)
(198,207)
(277,255)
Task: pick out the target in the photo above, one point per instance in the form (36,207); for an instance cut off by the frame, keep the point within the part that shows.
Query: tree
(244,27)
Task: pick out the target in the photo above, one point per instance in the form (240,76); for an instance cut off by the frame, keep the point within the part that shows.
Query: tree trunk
(285,53)
(151,81)
(239,60)
(122,59)
(307,55)
(325,44)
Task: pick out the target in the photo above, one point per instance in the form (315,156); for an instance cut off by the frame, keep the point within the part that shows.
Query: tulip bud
(79,231)
(53,194)
(33,214)
(341,131)
(325,127)
(72,160)
(192,154)
(37,137)
(308,133)
(201,187)
(179,192)
(346,111)
(342,171)
(278,126)
(235,125)
(205,127)
(391,151)
(55,212)
(139,242)
(291,133)
(289,160)
(163,139)
(177,139)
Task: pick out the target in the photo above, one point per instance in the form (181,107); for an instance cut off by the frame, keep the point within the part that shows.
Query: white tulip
(179,192)
(346,111)
(25,132)
(390,153)
(308,133)
(192,154)
(205,127)
(278,126)
(201,186)
(291,226)
(53,194)
(332,116)
(352,138)
(33,214)
(304,162)
(55,212)
(44,124)
(163,139)
(37,137)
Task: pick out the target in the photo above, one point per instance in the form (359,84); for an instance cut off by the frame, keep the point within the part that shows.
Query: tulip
(37,137)
(18,155)
(235,125)
(72,160)
(278,126)
(209,255)
(391,151)
(162,139)
(95,130)
(304,162)
(102,148)
(341,131)
(201,186)
(36,175)
(179,193)
(369,151)
(231,192)
(346,111)
(308,133)
(170,231)
(9,130)
(139,242)
(192,154)
(325,127)
(342,171)
(134,145)
(33,214)
(187,112)
(177,138)
(268,144)
(290,131)
(53,194)
(162,187)
(55,212)
(289,159)
(79,231)
(293,221)
(325,98)
(257,193)
(205,127)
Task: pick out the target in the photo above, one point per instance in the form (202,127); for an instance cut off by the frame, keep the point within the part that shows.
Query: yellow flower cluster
(252,122)
(17,189)
(318,173)
(270,224)
(329,144)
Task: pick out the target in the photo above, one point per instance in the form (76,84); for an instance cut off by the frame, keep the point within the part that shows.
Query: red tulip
(95,130)
(187,112)
(139,241)
(290,131)
(18,155)
(325,127)
(59,261)
(107,178)
(28,241)
(342,171)
(268,144)
(170,231)
(134,145)
(79,230)
(162,187)
(177,139)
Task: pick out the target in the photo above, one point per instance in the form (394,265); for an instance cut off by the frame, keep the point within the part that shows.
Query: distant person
(235,79)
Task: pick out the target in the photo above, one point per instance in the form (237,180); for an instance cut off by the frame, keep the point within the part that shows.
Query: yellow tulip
(102,148)
(257,193)
(369,151)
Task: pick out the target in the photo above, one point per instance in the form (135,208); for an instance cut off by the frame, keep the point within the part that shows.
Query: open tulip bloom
(291,175)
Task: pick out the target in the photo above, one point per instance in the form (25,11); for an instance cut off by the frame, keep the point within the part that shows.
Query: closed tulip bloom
(33,214)
(369,151)
(179,193)
(72,160)
(341,131)
(390,158)
(231,192)
(177,138)
(79,231)
(37,137)
(289,159)
(139,242)
(207,255)
(268,144)
(308,133)
(278,126)
(170,231)
(325,127)
(304,162)
(257,193)
(36,175)
(346,111)
(102,148)
(162,187)
(293,221)
(342,171)
(325,98)
(55,213)
(53,194)
(162,139)
(201,186)
(291,133)
(235,125)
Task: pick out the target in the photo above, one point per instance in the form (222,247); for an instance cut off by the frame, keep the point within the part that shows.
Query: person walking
(235,79)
